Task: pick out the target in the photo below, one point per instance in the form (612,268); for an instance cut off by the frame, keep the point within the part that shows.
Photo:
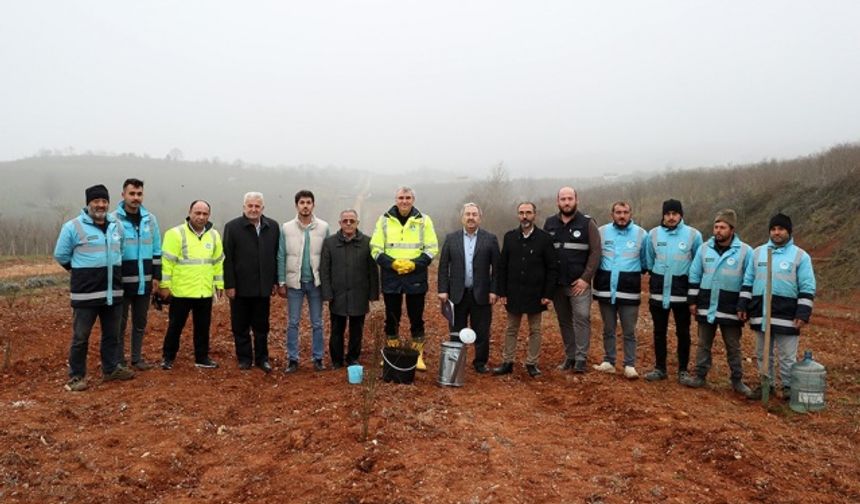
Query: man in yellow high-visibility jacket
(192,270)
(403,244)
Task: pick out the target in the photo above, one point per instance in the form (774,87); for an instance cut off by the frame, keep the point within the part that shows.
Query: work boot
(742,389)
(655,374)
(120,373)
(758,392)
(693,381)
(418,346)
(579,367)
(505,368)
(565,365)
(76,384)
(391,341)
(683,375)
(533,370)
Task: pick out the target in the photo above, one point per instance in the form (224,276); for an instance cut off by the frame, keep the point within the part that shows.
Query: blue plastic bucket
(355,373)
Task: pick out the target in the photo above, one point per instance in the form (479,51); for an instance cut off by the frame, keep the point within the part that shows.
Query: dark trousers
(394,310)
(335,341)
(732,339)
(247,314)
(660,317)
(83,320)
(201,311)
(469,312)
(139,305)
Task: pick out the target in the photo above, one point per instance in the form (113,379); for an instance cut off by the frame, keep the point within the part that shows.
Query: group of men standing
(568,263)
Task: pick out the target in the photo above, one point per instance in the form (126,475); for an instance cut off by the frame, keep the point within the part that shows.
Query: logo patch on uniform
(661,244)
(730,261)
(784,265)
(577,233)
(208,245)
(631,244)
(116,236)
(682,246)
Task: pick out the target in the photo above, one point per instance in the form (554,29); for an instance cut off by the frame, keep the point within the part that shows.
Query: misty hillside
(820,192)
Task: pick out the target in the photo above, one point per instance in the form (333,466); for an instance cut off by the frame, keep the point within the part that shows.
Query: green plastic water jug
(808,382)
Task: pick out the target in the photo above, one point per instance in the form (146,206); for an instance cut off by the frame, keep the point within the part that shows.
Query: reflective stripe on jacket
(619,279)
(94,258)
(141,254)
(669,253)
(716,281)
(192,266)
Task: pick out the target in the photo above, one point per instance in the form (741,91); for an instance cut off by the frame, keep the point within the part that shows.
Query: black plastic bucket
(398,365)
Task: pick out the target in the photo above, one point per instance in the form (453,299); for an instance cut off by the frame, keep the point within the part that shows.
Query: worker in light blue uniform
(669,250)
(141,268)
(793,293)
(716,284)
(90,247)
(618,285)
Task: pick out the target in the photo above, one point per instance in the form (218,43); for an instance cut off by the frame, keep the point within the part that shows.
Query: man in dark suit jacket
(467,277)
(250,279)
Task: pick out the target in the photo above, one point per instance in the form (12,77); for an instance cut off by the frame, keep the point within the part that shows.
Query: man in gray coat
(467,278)
(349,279)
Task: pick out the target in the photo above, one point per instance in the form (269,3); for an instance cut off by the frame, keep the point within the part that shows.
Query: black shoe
(579,367)
(292,367)
(337,365)
(167,364)
(482,369)
(244,366)
(565,365)
(786,394)
(693,381)
(352,363)
(505,368)
(533,370)
(206,363)
(265,366)
(318,365)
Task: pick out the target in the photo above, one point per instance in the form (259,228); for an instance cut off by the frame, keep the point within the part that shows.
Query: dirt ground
(225,435)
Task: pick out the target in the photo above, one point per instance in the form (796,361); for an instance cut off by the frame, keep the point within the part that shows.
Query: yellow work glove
(403,266)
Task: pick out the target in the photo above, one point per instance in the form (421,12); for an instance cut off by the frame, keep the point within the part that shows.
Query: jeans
(629,314)
(83,320)
(246,314)
(335,339)
(201,312)
(660,317)
(294,313)
(786,347)
(732,339)
(574,322)
(138,304)
(510,350)
(394,310)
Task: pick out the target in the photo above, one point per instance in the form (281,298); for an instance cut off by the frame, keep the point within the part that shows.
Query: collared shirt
(526,235)
(469,242)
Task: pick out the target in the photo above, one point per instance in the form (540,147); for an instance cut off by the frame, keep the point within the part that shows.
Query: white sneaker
(630,373)
(605,367)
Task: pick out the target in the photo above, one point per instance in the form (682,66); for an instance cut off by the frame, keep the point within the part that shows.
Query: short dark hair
(132,182)
(304,193)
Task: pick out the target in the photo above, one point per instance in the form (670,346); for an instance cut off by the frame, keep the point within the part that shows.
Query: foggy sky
(550,88)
